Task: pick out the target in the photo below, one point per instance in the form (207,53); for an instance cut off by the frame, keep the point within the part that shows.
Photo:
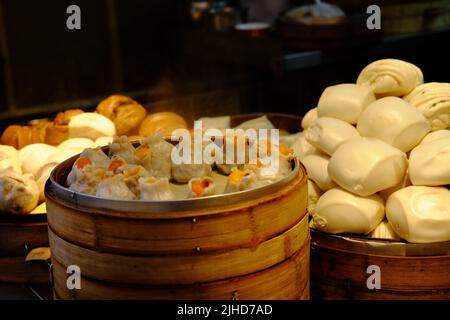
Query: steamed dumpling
(154,155)
(390,77)
(155,189)
(85,176)
(240,180)
(114,188)
(201,187)
(122,148)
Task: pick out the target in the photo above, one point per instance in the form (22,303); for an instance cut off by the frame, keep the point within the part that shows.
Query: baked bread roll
(126,113)
(433,101)
(91,125)
(58,129)
(63,118)
(21,136)
(390,77)
(163,123)
(20,193)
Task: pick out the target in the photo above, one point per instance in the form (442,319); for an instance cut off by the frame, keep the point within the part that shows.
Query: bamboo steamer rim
(378,247)
(185,208)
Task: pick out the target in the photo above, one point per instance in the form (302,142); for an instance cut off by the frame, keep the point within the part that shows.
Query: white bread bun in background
(34,156)
(433,101)
(345,101)
(309,118)
(390,77)
(9,158)
(327,134)
(394,121)
(76,143)
(103,141)
(420,214)
(429,163)
(339,211)
(316,166)
(366,166)
(91,125)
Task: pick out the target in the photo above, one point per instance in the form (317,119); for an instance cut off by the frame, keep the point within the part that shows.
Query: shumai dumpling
(201,187)
(20,193)
(97,157)
(154,154)
(84,176)
(240,180)
(122,148)
(114,188)
(155,189)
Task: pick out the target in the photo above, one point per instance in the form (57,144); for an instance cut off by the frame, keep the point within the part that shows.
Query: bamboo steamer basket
(408,271)
(246,245)
(19,234)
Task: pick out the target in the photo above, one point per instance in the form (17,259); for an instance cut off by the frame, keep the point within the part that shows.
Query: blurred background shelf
(390,44)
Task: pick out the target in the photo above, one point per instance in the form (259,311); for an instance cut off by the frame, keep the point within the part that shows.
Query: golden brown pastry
(58,130)
(11,136)
(64,117)
(163,123)
(126,113)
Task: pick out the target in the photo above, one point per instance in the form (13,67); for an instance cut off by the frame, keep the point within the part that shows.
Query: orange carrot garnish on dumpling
(116,164)
(142,151)
(199,186)
(82,162)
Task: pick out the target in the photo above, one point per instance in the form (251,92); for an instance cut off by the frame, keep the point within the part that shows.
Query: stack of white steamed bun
(23,172)
(377,155)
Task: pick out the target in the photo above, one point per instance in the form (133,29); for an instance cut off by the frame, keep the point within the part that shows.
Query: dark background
(151,51)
